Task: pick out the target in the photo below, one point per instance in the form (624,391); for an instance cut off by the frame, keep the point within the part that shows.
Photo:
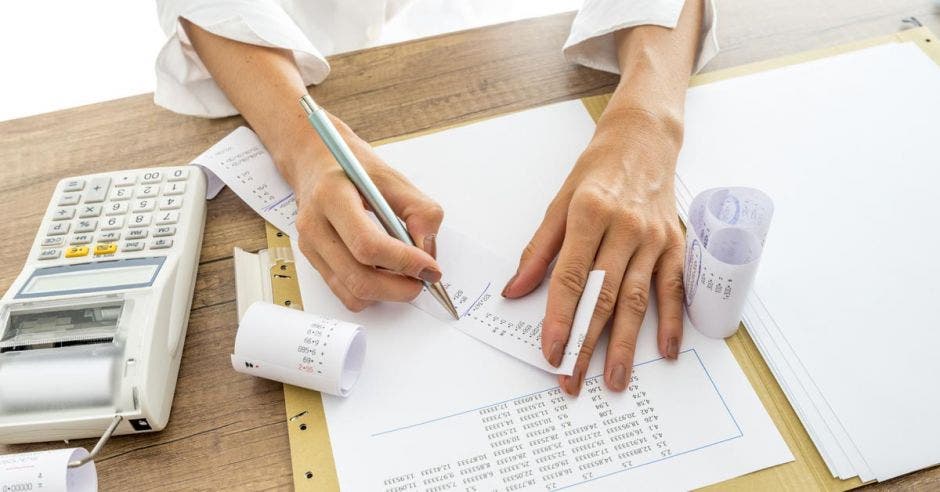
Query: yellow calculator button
(105,248)
(76,251)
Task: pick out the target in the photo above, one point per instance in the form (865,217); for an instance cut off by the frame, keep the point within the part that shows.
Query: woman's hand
(356,257)
(615,212)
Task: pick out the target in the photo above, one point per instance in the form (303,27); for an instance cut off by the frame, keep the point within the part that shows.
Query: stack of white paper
(844,305)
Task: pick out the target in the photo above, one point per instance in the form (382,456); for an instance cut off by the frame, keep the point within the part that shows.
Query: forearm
(265,85)
(655,65)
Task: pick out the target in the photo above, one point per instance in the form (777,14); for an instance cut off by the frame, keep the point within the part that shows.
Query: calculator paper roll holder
(121,382)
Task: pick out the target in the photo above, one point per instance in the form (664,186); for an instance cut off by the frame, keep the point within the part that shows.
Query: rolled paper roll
(724,242)
(298,348)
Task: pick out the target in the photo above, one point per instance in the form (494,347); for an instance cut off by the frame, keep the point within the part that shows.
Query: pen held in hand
(361,180)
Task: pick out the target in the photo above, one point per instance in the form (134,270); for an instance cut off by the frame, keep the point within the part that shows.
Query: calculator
(94,325)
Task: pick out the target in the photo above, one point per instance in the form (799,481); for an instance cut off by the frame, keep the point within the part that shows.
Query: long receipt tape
(725,268)
(241,162)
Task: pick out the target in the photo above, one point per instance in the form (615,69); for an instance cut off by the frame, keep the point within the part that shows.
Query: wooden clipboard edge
(312,464)
(808,470)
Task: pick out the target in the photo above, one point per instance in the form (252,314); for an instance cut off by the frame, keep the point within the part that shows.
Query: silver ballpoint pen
(347,160)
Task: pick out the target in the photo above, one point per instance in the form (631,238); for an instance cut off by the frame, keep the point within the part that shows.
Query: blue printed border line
(723,402)
(701,364)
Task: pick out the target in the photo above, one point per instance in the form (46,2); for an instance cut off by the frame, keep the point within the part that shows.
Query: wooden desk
(227,430)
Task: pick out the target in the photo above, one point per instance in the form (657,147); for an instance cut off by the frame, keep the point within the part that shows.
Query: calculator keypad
(104,215)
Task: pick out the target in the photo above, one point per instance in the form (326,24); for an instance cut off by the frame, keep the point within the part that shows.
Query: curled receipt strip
(69,470)
(298,348)
(48,470)
(514,327)
(726,231)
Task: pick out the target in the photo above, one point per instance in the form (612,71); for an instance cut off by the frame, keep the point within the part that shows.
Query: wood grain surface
(226,430)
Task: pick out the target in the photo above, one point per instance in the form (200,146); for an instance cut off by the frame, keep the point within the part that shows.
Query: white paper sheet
(432,385)
(724,240)
(47,470)
(452,410)
(298,348)
(847,147)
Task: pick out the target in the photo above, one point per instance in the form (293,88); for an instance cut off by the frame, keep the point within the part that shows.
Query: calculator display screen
(91,277)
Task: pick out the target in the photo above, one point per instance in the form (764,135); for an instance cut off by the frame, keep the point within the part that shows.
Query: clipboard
(312,464)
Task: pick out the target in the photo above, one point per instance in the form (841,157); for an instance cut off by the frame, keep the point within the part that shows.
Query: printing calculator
(93,327)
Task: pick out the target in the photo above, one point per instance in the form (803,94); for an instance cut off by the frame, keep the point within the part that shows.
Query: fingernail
(578,378)
(618,377)
(432,275)
(672,348)
(554,356)
(430,244)
(509,284)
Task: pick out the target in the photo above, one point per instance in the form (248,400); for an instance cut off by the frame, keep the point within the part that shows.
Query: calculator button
(80,239)
(164,218)
(116,208)
(174,188)
(49,254)
(112,223)
(76,251)
(133,246)
(136,234)
(68,198)
(73,185)
(105,249)
(86,225)
(139,220)
(125,179)
(178,175)
(161,243)
(108,237)
(89,211)
(50,242)
(148,191)
(151,177)
(143,205)
(164,231)
(64,213)
(97,190)
(57,229)
(171,203)
(121,193)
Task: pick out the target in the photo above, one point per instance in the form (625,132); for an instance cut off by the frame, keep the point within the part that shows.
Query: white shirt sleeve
(591,41)
(184,85)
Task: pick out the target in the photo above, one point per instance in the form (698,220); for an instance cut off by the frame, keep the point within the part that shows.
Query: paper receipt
(724,241)
(47,470)
(298,348)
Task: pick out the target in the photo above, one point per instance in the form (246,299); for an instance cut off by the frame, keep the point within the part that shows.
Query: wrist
(299,153)
(639,126)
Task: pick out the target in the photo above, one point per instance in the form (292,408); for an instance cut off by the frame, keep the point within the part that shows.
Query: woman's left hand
(616,212)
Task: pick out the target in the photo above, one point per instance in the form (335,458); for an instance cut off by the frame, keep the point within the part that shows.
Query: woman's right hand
(355,256)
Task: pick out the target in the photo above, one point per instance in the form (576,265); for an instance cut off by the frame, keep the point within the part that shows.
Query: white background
(58,54)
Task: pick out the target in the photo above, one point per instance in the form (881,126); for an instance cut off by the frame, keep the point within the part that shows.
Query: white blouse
(314,28)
